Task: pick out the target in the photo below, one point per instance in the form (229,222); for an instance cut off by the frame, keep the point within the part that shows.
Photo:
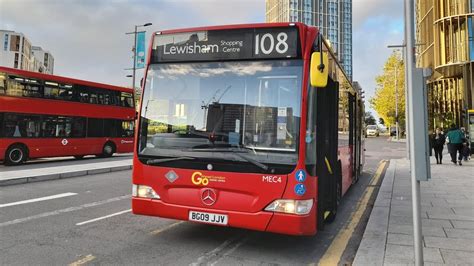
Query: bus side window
(126,99)
(78,127)
(107,98)
(11,125)
(95,127)
(32,88)
(48,126)
(63,126)
(115,98)
(126,128)
(100,98)
(93,97)
(3,83)
(66,92)
(51,90)
(110,128)
(84,97)
(14,87)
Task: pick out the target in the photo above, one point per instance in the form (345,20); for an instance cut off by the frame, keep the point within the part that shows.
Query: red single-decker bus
(252,126)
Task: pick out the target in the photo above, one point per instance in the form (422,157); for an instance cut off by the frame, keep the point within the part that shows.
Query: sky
(88,41)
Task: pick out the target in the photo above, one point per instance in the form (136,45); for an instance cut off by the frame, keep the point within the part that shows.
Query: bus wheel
(16,154)
(108,149)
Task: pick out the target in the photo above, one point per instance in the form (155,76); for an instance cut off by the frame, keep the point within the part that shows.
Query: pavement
(19,175)
(447,202)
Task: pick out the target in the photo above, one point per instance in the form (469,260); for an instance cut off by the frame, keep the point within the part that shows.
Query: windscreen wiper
(254,162)
(237,152)
(164,160)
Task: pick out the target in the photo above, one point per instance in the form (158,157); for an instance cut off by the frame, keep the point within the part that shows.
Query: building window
(14,43)
(5,42)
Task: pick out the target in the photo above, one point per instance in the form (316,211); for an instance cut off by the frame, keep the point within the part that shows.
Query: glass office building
(445,34)
(332,17)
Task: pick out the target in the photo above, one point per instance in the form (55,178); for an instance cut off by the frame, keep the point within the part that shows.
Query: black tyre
(15,155)
(108,150)
(79,157)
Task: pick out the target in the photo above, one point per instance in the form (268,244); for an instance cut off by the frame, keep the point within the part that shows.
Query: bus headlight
(299,207)
(142,191)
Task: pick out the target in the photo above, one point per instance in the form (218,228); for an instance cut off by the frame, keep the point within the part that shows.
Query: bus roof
(62,79)
(232,26)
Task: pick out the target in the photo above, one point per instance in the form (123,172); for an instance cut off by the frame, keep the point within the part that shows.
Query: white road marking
(70,209)
(216,254)
(104,217)
(62,195)
(228,252)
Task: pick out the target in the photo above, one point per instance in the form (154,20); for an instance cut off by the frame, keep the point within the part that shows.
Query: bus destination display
(238,44)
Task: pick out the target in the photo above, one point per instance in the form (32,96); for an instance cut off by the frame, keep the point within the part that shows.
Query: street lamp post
(397,128)
(134,50)
(396,103)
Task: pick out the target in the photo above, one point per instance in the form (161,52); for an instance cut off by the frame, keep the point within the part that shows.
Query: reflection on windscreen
(253,105)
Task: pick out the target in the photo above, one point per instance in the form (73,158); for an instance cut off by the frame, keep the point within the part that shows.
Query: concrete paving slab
(460,233)
(447,218)
(457,257)
(408,230)
(406,253)
(403,220)
(463,224)
(449,243)
(400,239)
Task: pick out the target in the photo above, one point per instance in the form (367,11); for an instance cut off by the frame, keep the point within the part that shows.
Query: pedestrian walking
(455,139)
(437,142)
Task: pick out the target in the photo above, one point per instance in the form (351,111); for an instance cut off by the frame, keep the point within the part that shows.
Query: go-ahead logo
(203,180)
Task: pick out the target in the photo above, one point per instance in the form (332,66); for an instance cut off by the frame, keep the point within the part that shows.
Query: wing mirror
(319,69)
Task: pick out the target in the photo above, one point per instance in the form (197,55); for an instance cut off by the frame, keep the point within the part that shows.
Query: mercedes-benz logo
(208,196)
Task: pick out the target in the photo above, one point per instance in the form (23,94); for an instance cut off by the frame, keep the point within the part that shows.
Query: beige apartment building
(445,38)
(16,51)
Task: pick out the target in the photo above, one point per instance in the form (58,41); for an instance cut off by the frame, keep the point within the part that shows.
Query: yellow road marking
(338,245)
(83,260)
(378,173)
(157,231)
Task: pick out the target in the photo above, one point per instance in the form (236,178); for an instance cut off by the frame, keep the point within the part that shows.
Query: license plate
(205,217)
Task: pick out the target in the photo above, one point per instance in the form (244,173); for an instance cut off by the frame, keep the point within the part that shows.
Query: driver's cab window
(270,111)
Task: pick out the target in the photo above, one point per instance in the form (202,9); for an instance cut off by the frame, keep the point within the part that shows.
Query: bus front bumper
(261,221)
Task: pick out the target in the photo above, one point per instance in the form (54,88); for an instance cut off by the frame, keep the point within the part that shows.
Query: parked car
(372,130)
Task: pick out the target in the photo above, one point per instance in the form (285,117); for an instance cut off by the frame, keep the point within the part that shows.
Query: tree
(369,119)
(385,94)
(381,121)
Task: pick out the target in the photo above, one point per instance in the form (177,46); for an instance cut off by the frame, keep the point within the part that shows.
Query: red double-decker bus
(48,116)
(252,126)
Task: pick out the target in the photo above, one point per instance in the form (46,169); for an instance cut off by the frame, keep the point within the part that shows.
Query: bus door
(353,144)
(327,165)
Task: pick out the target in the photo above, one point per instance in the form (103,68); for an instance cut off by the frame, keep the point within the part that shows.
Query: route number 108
(266,43)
